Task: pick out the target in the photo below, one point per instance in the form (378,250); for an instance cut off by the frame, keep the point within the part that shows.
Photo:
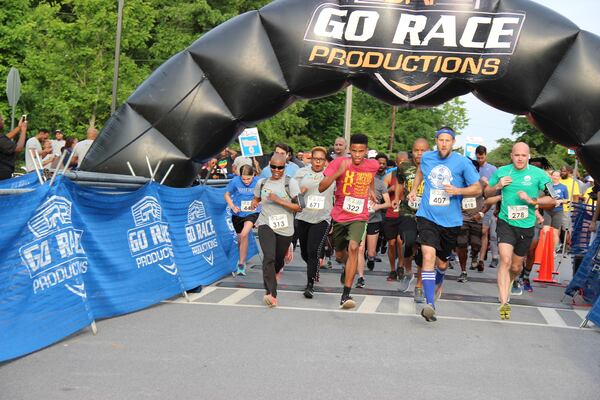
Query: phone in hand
(24,117)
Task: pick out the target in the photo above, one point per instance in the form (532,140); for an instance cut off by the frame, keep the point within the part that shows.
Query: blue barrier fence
(594,314)
(71,255)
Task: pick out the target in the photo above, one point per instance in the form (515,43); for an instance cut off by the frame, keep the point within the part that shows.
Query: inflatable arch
(516,55)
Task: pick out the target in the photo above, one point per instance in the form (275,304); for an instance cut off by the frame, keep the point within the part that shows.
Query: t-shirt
(35,145)
(487,170)
(390,213)
(471,206)
(318,205)
(589,200)
(241,195)
(352,189)
(56,146)
(562,193)
(380,188)
(513,210)
(571,188)
(7,157)
(290,170)
(437,205)
(279,218)
(81,149)
(406,174)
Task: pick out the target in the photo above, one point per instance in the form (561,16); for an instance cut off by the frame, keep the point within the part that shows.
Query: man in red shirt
(354,177)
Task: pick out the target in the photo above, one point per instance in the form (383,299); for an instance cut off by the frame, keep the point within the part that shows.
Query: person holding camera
(9,149)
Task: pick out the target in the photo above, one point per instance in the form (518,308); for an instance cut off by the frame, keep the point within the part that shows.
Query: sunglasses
(279,167)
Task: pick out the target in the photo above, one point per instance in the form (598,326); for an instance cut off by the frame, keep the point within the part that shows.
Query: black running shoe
(371,264)
(360,283)
(392,276)
(309,290)
(347,302)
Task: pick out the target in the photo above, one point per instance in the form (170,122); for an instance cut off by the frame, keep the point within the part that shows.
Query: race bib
(315,202)
(439,197)
(469,203)
(246,206)
(353,205)
(279,221)
(517,213)
(415,204)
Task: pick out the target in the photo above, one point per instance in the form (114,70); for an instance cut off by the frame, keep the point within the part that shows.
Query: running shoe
(360,283)
(516,289)
(371,264)
(438,291)
(377,259)
(347,302)
(400,273)
(504,311)
(406,281)
(392,276)
(309,291)
(428,312)
(462,278)
(270,301)
(527,285)
(473,266)
(480,267)
(241,270)
(418,297)
(493,263)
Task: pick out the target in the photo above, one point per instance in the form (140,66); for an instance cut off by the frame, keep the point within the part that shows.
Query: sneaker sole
(504,311)
(428,313)
(348,304)
(268,302)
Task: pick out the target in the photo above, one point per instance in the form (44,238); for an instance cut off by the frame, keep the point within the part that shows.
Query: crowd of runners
(423,209)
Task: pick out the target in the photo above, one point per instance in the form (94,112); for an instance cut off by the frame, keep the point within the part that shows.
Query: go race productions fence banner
(71,255)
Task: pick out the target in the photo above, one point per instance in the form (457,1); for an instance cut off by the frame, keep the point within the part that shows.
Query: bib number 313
(279,221)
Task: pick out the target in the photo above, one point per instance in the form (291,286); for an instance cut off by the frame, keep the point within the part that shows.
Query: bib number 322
(353,205)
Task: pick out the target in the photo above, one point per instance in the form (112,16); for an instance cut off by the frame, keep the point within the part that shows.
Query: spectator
(82,147)
(34,145)
(238,163)
(290,168)
(340,149)
(70,143)
(58,142)
(293,159)
(9,149)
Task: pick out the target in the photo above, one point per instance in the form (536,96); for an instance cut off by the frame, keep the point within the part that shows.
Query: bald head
(278,159)
(91,133)
(520,155)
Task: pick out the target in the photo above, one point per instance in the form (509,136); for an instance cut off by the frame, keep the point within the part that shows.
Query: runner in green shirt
(519,184)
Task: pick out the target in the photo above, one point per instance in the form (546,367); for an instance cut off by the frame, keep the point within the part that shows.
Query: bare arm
(387,203)
(328,180)
(233,207)
(287,204)
(412,196)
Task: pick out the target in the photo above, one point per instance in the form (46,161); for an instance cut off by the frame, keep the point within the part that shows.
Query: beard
(442,156)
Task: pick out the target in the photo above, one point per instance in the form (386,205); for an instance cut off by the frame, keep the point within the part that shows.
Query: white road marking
(407,306)
(552,317)
(369,304)
(236,297)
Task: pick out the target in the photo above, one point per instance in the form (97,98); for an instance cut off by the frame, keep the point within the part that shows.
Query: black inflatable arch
(258,63)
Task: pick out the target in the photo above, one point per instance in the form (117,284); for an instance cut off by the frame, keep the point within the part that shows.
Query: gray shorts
(487,217)
(554,218)
(567,223)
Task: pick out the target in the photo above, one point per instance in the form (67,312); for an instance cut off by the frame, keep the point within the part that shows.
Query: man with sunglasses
(354,177)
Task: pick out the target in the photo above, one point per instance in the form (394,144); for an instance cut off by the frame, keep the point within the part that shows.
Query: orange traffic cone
(539,250)
(546,271)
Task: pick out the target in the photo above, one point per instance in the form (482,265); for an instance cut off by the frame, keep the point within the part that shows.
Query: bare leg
(351,262)
(243,241)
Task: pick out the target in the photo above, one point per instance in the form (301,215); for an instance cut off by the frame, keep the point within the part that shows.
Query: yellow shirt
(587,197)
(573,191)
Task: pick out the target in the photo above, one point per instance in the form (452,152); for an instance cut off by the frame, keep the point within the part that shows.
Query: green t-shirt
(531,180)
(406,174)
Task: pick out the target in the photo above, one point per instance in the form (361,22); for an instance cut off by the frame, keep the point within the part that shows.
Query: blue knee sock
(429,286)
(439,276)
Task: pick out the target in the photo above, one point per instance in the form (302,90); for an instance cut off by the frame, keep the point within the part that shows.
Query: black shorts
(439,237)
(373,228)
(407,229)
(390,228)
(519,238)
(238,222)
(470,233)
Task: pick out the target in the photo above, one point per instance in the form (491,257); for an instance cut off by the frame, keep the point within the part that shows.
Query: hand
(479,216)
(236,209)
(505,181)
(485,180)
(451,190)
(395,204)
(373,197)
(303,189)
(412,196)
(523,196)
(254,204)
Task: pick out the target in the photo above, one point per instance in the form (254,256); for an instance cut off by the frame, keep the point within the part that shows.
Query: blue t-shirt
(290,170)
(487,170)
(239,192)
(562,193)
(436,205)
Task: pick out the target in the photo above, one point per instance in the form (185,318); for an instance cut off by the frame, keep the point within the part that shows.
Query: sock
(346,291)
(439,276)
(429,286)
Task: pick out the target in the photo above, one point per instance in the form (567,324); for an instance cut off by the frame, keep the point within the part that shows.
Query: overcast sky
(492,124)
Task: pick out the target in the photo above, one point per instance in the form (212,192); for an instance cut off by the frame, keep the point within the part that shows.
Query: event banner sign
(73,254)
(412,51)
